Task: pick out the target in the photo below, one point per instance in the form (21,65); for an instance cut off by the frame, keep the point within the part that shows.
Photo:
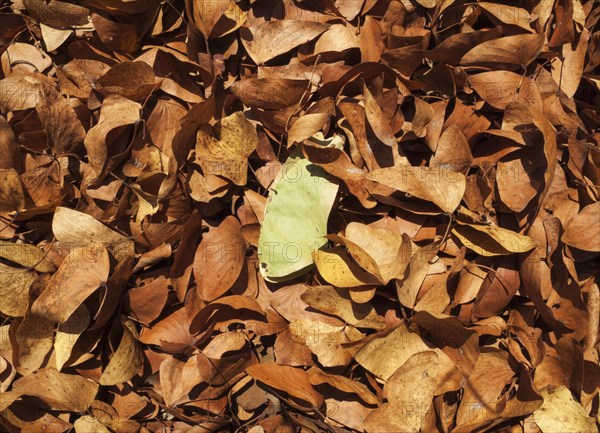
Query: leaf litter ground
(299,216)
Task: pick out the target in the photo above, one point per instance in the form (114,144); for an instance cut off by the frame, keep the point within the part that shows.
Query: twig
(593,307)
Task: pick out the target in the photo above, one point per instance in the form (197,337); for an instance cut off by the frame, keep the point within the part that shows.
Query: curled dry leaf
(126,361)
(338,268)
(67,334)
(491,240)
(306,126)
(216,19)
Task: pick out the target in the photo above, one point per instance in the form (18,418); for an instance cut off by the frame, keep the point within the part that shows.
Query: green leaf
(295,222)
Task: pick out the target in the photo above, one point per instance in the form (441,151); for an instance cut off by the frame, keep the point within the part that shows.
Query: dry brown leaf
(14,290)
(377,121)
(561,412)
(326,341)
(333,301)
(582,231)
(306,126)
(82,272)
(77,229)
(288,380)
(443,187)
(127,359)
(337,163)
(569,70)
(270,93)
(227,154)
(482,392)
(12,198)
(63,129)
(270,39)
(509,52)
(178,378)
(453,48)
(22,91)
(452,151)
(389,252)
(114,120)
(67,334)
(219,259)
(66,392)
(57,14)
(54,38)
(24,58)
(491,240)
(385,353)
(507,14)
(338,268)
(501,88)
(412,385)
(216,19)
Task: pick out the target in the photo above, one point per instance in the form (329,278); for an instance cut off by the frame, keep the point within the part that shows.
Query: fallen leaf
(491,240)
(77,229)
(338,268)
(500,88)
(289,380)
(581,231)
(411,386)
(509,52)
(332,301)
(67,334)
(560,411)
(65,392)
(14,289)
(295,218)
(82,272)
(443,187)
(219,259)
(270,39)
(216,19)
(228,154)
(270,93)
(127,359)
(384,354)
(12,198)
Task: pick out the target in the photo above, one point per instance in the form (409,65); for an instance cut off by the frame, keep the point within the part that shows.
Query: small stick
(593,307)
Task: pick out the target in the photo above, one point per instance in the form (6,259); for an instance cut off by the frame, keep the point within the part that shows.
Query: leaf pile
(299,216)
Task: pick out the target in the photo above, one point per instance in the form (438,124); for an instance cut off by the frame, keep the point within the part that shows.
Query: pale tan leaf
(82,272)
